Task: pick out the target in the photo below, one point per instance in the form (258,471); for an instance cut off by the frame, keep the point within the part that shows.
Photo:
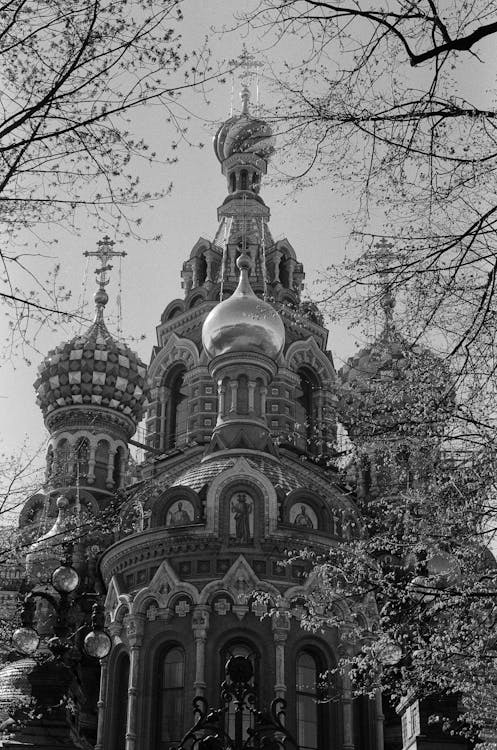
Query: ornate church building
(240,411)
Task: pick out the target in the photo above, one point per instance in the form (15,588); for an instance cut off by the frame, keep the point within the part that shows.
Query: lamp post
(94,641)
(267,731)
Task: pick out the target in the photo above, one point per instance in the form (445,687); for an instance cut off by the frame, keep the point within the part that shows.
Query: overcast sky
(151,272)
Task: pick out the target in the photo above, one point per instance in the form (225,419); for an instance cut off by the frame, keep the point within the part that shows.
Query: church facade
(239,401)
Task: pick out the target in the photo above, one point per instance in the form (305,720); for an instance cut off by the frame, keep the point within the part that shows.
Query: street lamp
(65,580)
(209,731)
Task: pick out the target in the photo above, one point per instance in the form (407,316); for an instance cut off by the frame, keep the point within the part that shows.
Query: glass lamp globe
(65,579)
(26,640)
(388,653)
(97,644)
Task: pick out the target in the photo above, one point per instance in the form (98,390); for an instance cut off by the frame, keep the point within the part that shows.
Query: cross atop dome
(104,253)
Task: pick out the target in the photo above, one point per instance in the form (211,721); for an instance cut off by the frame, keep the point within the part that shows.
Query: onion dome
(243,322)
(93,369)
(244,134)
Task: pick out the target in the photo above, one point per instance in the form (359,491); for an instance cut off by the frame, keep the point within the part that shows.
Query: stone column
(378,721)
(110,466)
(221,392)
(263,401)
(281,628)
(101,704)
(200,626)
(91,463)
(209,257)
(134,630)
(348,717)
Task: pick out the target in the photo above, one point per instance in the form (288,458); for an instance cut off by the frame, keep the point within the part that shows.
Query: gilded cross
(104,253)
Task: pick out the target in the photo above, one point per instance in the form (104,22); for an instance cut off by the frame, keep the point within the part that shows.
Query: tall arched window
(82,458)
(176,408)
(120,712)
(310,728)
(118,467)
(62,461)
(244,179)
(101,462)
(307,407)
(171,698)
(232,182)
(246,650)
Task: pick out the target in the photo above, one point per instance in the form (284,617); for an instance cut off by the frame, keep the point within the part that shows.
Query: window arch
(176,420)
(232,182)
(310,714)
(62,463)
(171,685)
(244,179)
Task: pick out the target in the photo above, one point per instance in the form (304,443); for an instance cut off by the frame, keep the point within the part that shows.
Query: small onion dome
(244,134)
(243,323)
(384,359)
(93,369)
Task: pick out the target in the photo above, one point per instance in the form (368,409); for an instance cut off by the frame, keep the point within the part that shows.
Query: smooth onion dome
(93,369)
(243,322)
(244,134)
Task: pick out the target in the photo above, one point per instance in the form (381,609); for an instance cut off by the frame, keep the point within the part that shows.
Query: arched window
(171,698)
(101,462)
(118,467)
(243,180)
(232,182)
(308,724)
(307,408)
(62,462)
(120,712)
(176,421)
(246,650)
(82,458)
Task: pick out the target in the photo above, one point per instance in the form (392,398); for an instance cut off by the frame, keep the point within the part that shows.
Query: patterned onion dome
(243,323)
(244,134)
(93,369)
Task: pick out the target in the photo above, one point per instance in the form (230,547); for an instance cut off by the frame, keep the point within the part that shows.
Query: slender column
(101,704)
(221,392)
(209,257)
(110,465)
(134,630)
(347,707)
(277,257)
(163,397)
(200,626)
(263,401)
(91,463)
(378,721)
(232,257)
(281,628)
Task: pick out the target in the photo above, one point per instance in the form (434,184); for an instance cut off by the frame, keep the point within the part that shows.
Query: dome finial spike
(245,97)
(104,253)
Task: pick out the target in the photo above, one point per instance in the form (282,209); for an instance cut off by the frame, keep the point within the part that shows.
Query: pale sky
(151,272)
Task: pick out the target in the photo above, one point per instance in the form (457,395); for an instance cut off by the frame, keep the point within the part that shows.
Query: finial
(245,97)
(384,257)
(104,253)
(243,262)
